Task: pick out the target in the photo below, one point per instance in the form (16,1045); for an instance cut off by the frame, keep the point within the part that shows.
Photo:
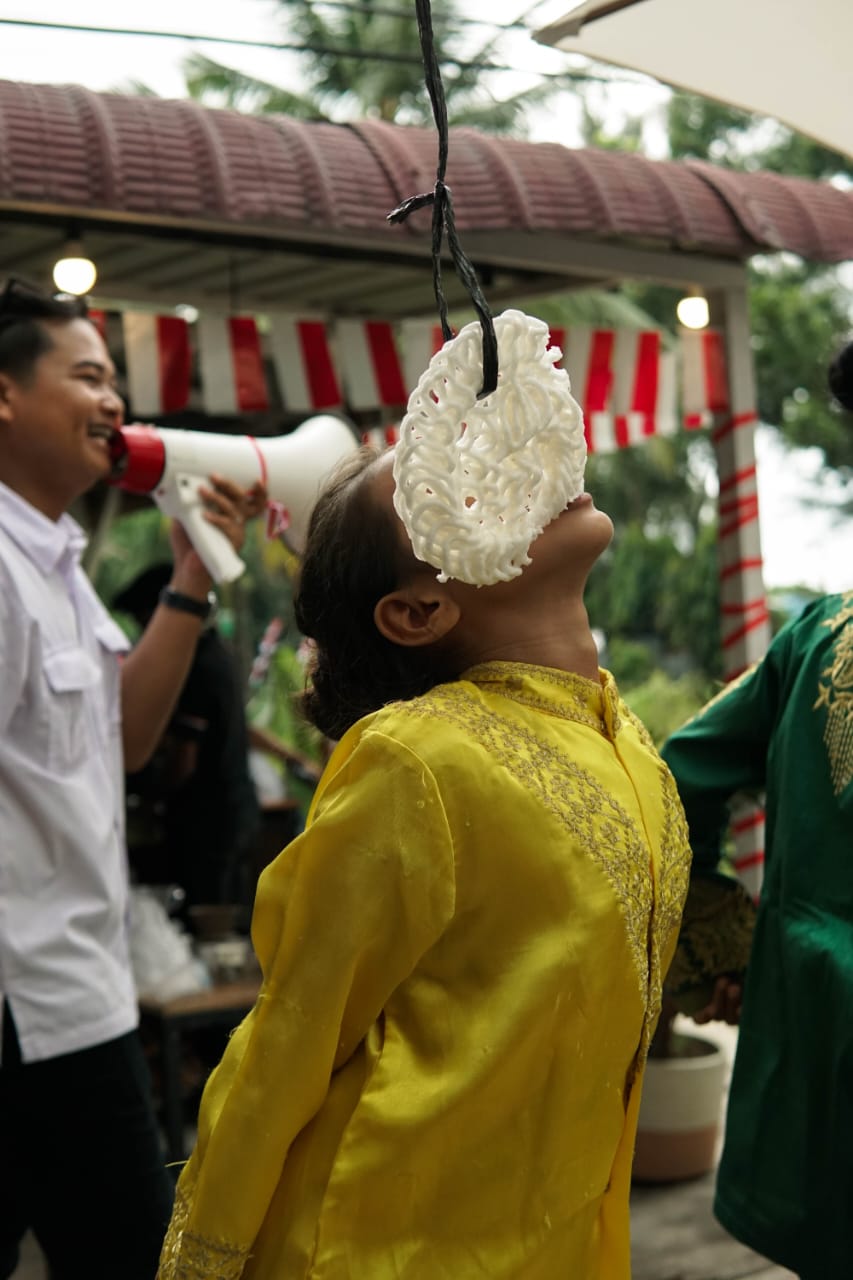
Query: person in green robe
(785,1182)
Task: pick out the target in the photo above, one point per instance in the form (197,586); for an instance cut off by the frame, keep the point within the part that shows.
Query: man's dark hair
(353,557)
(26,316)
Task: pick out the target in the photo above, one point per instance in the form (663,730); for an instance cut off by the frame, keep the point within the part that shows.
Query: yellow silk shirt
(462,959)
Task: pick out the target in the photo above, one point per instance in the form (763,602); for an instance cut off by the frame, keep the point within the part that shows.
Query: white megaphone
(172,466)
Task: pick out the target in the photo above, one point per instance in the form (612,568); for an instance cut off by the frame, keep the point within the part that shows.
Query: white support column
(743,604)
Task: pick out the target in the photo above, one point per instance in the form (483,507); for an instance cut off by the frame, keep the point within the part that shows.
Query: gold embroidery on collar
(577,699)
(837,697)
(187,1256)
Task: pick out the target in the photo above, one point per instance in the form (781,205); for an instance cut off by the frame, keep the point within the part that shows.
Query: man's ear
(7,386)
(418,614)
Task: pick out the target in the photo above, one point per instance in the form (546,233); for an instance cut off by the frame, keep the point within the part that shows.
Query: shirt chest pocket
(72,680)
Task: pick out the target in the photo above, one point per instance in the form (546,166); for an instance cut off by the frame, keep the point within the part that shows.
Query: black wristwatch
(203,609)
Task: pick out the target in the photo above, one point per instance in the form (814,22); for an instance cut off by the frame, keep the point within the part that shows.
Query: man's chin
(99,452)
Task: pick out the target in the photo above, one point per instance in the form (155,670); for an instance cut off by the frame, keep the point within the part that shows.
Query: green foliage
(630,661)
(647,589)
(274,705)
(664,704)
(348,78)
(689,617)
(225,87)
(800,316)
(133,543)
(595,134)
(800,313)
(701,129)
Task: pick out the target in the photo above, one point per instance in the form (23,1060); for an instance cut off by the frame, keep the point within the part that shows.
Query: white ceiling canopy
(783,58)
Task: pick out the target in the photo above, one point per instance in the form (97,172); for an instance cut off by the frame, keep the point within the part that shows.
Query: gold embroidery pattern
(606,833)
(715,938)
(673,881)
(579,694)
(837,697)
(187,1256)
(575,798)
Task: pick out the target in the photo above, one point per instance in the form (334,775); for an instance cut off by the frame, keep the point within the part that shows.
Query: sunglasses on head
(22,301)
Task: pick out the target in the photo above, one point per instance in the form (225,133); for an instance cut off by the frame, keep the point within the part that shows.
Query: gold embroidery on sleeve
(187,1256)
(837,697)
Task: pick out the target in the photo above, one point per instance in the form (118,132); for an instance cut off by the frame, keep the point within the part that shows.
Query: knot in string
(443,220)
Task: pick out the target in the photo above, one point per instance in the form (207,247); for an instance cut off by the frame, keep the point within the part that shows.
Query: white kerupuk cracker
(478,480)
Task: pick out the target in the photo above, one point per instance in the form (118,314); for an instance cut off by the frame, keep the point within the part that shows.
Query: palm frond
(210,80)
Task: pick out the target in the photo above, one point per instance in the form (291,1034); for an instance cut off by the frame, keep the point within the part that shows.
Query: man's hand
(724,1005)
(228,507)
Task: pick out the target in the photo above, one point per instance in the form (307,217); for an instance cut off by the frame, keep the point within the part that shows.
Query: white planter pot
(681,1111)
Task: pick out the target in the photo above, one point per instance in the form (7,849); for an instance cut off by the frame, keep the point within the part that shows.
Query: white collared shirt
(64,963)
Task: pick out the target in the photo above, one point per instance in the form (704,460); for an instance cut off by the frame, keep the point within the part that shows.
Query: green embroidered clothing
(785,1184)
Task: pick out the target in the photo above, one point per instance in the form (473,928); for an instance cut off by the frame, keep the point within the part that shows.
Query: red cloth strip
(716,382)
(250,383)
(319,371)
(175,362)
(386,363)
(644,398)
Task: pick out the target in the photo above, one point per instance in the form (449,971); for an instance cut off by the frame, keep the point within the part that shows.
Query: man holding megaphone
(80,1154)
(172,466)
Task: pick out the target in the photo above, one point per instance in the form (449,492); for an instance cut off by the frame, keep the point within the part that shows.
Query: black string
(443,220)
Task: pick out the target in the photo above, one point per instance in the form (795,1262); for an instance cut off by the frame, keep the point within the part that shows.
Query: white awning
(782,58)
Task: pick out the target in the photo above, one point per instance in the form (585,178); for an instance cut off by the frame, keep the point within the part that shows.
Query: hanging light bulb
(692,311)
(74,272)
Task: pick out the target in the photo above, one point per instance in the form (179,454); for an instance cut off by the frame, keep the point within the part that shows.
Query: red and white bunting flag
(303,363)
(419,339)
(232,366)
(623,381)
(370,365)
(704,384)
(157,352)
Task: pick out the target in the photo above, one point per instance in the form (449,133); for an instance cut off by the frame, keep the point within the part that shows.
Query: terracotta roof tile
(65,147)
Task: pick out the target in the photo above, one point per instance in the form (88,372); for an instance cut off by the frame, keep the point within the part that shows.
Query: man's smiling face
(56,422)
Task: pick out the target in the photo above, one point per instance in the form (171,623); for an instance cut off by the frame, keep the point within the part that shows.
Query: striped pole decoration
(730,397)
(746,823)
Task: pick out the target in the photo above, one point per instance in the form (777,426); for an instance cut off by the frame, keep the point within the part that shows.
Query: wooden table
(223,1005)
